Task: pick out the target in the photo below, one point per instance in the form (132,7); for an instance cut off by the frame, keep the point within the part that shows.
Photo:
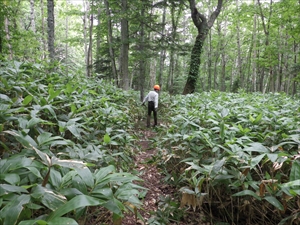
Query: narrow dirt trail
(152,180)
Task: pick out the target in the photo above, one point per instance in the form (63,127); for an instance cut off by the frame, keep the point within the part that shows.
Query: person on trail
(152,98)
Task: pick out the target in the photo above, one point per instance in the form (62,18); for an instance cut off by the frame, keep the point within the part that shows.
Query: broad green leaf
(114,206)
(27,100)
(256,147)
(11,212)
(247,192)
(106,138)
(272,157)
(48,198)
(34,171)
(218,165)
(103,172)
(11,178)
(53,94)
(62,221)
(258,119)
(224,112)
(295,171)
(44,157)
(69,163)
(33,121)
(55,178)
(86,176)
(256,160)
(75,203)
(6,188)
(292,183)
(26,140)
(105,193)
(5,98)
(274,202)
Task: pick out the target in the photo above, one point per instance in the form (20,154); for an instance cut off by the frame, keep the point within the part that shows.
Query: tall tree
(110,42)
(124,47)
(203,25)
(50,20)
(90,48)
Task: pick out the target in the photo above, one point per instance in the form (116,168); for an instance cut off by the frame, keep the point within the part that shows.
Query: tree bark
(6,24)
(50,19)
(110,43)
(124,47)
(203,25)
(43,30)
(89,53)
(162,51)
(32,16)
(240,75)
(142,63)
(254,88)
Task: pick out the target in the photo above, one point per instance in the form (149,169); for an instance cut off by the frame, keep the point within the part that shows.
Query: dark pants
(150,110)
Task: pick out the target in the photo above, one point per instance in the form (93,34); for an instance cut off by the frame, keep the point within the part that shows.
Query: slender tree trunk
(110,43)
(209,61)
(267,34)
(85,4)
(8,38)
(66,46)
(294,88)
(90,48)
(175,21)
(142,63)
(240,75)
(98,56)
(43,30)
(203,25)
(162,51)
(32,16)
(254,53)
(124,47)
(50,19)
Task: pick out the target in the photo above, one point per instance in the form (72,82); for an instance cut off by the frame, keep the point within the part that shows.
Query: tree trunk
(124,47)
(50,19)
(32,14)
(8,38)
(240,75)
(142,63)
(66,46)
(209,62)
(98,55)
(254,53)
(90,56)
(85,28)
(110,43)
(43,30)
(267,34)
(162,51)
(203,26)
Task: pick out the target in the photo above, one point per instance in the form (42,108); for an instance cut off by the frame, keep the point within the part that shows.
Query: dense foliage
(68,144)
(234,156)
(65,145)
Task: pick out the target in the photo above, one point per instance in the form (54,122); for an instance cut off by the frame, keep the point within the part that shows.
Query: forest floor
(157,188)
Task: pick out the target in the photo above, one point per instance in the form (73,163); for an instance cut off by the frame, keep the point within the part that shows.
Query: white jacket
(152,96)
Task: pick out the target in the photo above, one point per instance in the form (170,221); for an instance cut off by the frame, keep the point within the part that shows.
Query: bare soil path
(153,181)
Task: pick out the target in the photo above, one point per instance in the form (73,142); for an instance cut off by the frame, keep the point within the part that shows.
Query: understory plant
(235,156)
(65,146)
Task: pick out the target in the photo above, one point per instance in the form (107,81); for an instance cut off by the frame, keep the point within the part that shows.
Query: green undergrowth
(233,156)
(66,144)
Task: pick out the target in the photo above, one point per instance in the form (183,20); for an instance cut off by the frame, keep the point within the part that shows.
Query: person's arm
(156,102)
(145,99)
